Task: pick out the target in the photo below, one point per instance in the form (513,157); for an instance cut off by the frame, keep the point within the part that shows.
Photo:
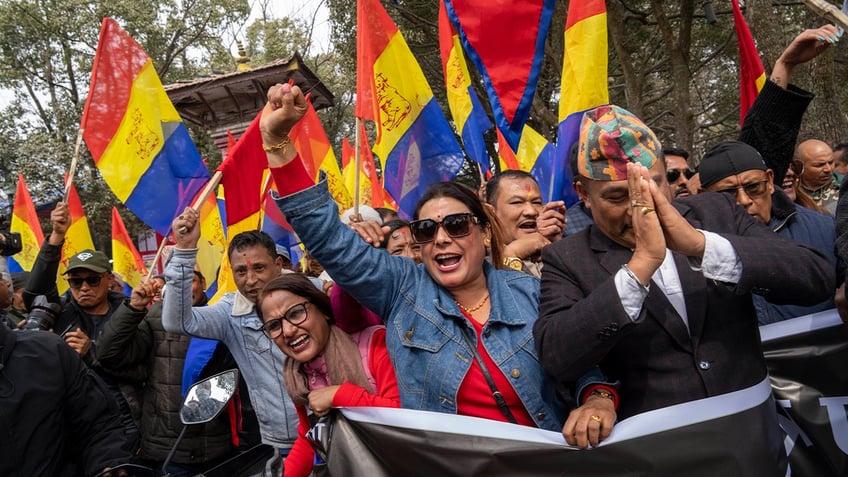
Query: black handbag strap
(499,399)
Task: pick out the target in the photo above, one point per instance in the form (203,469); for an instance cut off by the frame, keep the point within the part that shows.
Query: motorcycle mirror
(127,470)
(207,398)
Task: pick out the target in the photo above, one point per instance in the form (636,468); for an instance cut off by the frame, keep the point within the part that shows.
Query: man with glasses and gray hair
(738,169)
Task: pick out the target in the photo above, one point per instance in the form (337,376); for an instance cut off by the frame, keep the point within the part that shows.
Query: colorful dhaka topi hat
(610,137)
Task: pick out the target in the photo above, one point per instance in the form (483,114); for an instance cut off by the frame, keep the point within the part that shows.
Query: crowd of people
(489,303)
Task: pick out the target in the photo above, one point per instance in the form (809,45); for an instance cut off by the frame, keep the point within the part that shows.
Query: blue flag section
(561,178)
(426,153)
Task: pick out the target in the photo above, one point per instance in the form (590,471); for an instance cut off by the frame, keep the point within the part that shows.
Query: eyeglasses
(456,225)
(92,281)
(752,189)
(672,175)
(295,315)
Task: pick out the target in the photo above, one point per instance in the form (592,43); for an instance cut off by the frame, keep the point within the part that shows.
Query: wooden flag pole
(198,202)
(73,170)
(828,11)
(357,164)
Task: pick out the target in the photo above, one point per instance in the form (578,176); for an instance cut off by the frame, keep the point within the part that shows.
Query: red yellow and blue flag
(212,245)
(506,43)
(77,238)
(370,188)
(414,140)
(468,115)
(25,222)
(583,86)
(534,152)
(126,261)
(752,76)
(137,139)
(243,177)
(312,145)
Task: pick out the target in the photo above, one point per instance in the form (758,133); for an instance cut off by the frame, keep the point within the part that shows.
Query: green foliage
(46,52)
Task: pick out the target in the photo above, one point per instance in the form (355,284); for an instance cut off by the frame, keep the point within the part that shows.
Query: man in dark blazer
(659,294)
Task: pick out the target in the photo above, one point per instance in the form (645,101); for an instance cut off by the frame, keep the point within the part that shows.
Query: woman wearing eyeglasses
(459,332)
(324,367)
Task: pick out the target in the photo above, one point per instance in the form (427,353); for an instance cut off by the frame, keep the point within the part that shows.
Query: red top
(300,459)
(291,177)
(474,397)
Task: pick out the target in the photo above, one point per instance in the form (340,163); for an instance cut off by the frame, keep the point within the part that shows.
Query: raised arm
(772,124)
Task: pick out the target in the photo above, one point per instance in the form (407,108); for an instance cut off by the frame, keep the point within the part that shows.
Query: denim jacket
(233,321)
(423,322)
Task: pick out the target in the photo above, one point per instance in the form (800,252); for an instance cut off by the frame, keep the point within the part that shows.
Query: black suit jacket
(582,322)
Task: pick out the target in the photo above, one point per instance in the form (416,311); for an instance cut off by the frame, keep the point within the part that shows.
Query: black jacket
(131,338)
(51,406)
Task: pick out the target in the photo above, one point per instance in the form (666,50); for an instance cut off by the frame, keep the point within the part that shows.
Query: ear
(581,192)
(487,235)
(770,175)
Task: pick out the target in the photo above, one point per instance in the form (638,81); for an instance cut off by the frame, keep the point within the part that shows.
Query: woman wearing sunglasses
(459,332)
(324,367)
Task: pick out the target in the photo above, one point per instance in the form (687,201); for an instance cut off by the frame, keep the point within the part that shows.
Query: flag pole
(828,11)
(357,167)
(198,202)
(73,169)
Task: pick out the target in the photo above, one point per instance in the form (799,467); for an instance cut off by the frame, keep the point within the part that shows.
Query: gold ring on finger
(647,210)
(596,418)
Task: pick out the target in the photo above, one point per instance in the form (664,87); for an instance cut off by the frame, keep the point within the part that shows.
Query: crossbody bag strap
(499,399)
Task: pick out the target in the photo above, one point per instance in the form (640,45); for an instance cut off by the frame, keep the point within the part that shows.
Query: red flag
(752,76)
(242,175)
(506,43)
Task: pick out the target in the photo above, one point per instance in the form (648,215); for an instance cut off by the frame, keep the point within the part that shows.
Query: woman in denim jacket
(445,316)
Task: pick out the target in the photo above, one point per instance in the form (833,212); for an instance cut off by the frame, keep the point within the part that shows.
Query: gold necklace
(473,308)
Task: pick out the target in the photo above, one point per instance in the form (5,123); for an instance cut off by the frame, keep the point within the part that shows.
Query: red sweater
(300,459)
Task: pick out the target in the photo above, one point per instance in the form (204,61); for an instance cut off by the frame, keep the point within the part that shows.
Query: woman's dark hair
(485,217)
(392,225)
(296,284)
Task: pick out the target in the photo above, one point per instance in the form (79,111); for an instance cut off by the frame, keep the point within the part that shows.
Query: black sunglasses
(752,189)
(456,225)
(92,281)
(672,175)
(295,315)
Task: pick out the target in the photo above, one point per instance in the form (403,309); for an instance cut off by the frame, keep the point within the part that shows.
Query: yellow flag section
(584,65)
(126,261)
(139,138)
(213,242)
(77,239)
(530,147)
(403,94)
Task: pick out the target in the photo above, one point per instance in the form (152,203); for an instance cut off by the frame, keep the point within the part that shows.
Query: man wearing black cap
(738,169)
(86,311)
(89,275)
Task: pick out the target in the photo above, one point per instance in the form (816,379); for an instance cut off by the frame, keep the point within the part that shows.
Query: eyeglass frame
(734,191)
(96,279)
(280,319)
(472,219)
(688,173)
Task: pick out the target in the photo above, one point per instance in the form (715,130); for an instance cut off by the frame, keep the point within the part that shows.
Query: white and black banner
(728,435)
(808,363)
